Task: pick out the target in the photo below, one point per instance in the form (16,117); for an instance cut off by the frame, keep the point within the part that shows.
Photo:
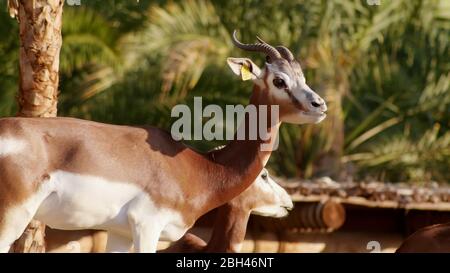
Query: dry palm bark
(40,43)
(40,24)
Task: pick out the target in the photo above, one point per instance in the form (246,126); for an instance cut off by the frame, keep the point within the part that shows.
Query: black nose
(316,104)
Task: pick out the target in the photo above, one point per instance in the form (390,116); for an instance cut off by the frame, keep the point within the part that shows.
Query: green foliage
(9,59)
(89,62)
(384,71)
(425,158)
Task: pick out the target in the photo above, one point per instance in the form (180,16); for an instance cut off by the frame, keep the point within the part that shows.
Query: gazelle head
(281,82)
(265,197)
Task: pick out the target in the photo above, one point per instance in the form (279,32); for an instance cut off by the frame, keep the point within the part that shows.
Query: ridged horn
(284,51)
(259,47)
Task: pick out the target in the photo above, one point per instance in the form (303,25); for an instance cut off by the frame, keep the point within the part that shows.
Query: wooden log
(333,215)
(266,242)
(77,241)
(328,214)
(325,215)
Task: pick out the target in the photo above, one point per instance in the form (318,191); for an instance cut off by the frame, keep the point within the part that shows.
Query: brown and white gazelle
(264,197)
(138,183)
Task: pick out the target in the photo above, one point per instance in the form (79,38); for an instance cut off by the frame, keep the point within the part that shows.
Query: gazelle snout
(308,107)
(273,200)
(285,199)
(318,102)
(313,102)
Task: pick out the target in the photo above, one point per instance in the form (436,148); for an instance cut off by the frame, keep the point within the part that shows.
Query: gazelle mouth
(285,213)
(314,114)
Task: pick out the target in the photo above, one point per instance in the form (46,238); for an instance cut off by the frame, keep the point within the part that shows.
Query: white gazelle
(137,183)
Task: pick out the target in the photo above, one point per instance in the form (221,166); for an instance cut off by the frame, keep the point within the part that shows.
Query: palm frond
(411,158)
(188,35)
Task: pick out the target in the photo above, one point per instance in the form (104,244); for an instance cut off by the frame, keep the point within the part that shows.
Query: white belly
(90,202)
(83,201)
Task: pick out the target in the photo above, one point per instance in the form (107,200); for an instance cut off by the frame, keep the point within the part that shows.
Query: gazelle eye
(279,83)
(264,176)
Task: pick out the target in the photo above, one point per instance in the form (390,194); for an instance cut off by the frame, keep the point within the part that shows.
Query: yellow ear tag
(245,73)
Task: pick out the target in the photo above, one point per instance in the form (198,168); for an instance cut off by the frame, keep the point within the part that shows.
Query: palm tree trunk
(32,240)
(40,43)
(40,24)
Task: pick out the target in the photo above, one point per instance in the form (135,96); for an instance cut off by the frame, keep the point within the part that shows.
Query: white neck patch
(10,146)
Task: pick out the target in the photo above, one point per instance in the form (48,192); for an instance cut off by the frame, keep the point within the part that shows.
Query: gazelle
(137,183)
(431,239)
(264,197)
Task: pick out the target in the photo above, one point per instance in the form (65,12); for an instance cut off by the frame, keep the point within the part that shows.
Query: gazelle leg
(145,237)
(13,226)
(145,224)
(14,219)
(118,243)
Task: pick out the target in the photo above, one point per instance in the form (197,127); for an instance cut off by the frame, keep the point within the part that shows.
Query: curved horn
(260,40)
(261,47)
(284,51)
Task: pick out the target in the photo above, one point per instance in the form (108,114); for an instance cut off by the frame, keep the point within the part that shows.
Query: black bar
(81,263)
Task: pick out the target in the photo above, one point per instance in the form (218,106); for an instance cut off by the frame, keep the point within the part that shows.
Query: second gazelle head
(264,197)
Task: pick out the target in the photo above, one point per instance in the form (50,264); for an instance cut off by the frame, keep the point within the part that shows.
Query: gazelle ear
(244,68)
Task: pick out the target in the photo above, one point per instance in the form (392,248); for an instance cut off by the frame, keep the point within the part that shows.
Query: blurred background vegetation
(384,71)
